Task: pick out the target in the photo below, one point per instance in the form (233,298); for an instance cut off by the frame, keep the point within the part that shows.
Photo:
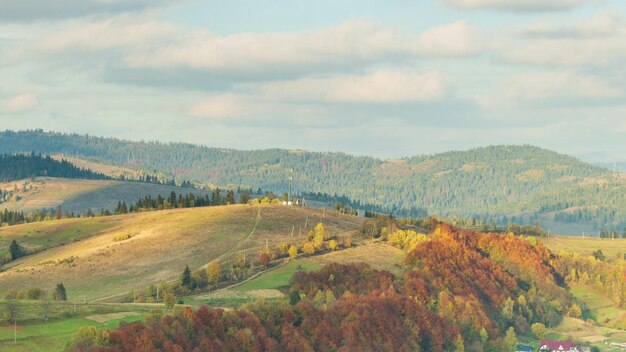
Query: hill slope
(492,183)
(76,196)
(83,254)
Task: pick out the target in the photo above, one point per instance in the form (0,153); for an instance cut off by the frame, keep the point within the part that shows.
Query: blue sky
(388,78)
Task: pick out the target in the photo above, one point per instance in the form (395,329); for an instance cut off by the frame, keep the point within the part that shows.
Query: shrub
(120,237)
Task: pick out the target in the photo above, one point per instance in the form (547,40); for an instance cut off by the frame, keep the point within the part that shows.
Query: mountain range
(519,183)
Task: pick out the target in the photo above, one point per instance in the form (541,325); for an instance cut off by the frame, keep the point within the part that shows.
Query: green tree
(244,197)
(59,293)
(15,250)
(185,277)
(230,197)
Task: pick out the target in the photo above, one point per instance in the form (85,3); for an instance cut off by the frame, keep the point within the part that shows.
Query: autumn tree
(484,337)
(539,330)
(214,272)
(332,244)
(308,248)
(169,300)
(459,344)
(510,340)
(264,259)
(293,252)
(575,311)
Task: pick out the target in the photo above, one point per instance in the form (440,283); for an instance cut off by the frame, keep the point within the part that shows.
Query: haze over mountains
(524,184)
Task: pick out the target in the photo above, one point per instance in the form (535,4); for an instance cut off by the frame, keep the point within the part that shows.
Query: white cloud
(453,39)
(18,104)
(28,10)
(597,41)
(121,33)
(218,107)
(560,88)
(517,5)
(349,43)
(381,86)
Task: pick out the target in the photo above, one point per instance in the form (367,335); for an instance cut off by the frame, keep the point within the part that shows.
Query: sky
(387,78)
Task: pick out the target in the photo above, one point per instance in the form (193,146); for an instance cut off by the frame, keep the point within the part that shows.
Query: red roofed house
(558,346)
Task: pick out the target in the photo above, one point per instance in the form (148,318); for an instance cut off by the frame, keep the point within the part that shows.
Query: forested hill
(21,166)
(493,183)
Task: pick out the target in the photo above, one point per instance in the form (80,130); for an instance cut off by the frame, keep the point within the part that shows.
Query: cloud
(28,10)
(140,50)
(453,39)
(594,42)
(348,43)
(218,107)
(517,5)
(119,33)
(550,89)
(18,104)
(380,86)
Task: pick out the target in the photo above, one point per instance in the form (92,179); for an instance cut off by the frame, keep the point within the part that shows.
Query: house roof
(524,348)
(558,345)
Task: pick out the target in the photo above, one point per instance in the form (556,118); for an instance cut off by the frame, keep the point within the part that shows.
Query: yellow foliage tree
(214,271)
(308,248)
(293,252)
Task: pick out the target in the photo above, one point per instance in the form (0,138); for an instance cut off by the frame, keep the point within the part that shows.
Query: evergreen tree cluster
(21,166)
(484,183)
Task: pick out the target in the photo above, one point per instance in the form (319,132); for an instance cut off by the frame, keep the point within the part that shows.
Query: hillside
(76,196)
(500,183)
(20,166)
(457,288)
(85,256)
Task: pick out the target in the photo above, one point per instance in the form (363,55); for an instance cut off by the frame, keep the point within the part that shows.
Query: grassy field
(53,336)
(109,170)
(65,318)
(94,266)
(378,255)
(40,236)
(279,277)
(585,246)
(79,195)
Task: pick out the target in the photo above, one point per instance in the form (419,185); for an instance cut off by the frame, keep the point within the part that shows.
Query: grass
(585,246)
(109,170)
(279,277)
(43,235)
(52,336)
(161,244)
(77,196)
(379,255)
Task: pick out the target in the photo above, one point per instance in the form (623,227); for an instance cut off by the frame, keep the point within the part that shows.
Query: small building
(559,346)
(523,348)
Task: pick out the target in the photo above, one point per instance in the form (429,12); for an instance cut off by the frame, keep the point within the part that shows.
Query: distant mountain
(494,184)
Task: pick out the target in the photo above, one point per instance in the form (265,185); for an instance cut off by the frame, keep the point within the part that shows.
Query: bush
(120,237)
